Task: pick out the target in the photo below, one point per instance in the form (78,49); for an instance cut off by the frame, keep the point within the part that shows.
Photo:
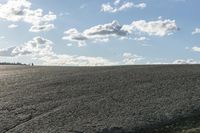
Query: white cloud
(118,6)
(140,38)
(69,44)
(41,49)
(107,8)
(129,58)
(96,33)
(74,60)
(188,61)
(116,2)
(75,36)
(178,61)
(2,37)
(196,31)
(156,63)
(110,29)
(20,10)
(196,49)
(43,27)
(7,52)
(160,17)
(12,26)
(104,32)
(36,47)
(153,28)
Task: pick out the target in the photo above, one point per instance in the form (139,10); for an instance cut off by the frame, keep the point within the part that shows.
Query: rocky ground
(121,99)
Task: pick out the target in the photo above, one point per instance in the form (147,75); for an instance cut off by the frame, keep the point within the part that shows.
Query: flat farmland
(118,99)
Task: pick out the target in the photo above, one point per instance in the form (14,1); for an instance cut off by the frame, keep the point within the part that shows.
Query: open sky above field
(99,32)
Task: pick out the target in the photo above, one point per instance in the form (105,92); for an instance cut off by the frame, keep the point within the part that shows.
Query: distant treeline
(7,63)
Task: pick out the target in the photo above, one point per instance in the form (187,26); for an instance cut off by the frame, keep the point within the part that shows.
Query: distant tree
(8,63)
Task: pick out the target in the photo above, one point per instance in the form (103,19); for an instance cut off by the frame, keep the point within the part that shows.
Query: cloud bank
(138,29)
(41,49)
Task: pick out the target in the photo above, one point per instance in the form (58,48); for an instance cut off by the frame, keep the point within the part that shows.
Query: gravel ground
(121,99)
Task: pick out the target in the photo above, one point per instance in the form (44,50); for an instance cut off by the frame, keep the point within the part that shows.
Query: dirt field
(121,99)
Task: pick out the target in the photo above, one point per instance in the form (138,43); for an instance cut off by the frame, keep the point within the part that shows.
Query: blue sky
(100,32)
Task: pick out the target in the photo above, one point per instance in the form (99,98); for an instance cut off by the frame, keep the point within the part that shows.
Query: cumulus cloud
(118,6)
(7,52)
(20,10)
(153,28)
(43,27)
(12,26)
(110,29)
(196,31)
(41,49)
(75,36)
(36,47)
(105,31)
(129,58)
(196,49)
(96,33)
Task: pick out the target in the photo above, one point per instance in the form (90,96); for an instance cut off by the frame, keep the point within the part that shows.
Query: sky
(100,32)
